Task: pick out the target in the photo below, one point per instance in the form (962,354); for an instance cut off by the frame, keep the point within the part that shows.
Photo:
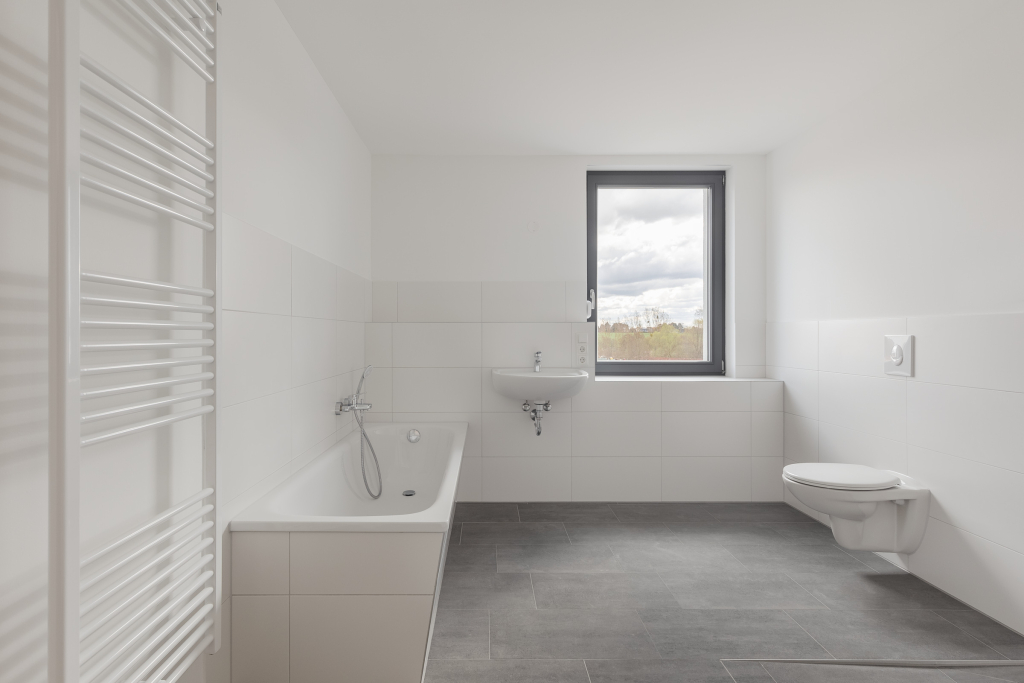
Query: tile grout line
(647,631)
(803,588)
(786,612)
(936,613)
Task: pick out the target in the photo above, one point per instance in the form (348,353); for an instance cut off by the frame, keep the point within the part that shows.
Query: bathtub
(328,584)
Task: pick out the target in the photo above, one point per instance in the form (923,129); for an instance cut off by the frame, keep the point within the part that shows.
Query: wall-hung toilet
(870,509)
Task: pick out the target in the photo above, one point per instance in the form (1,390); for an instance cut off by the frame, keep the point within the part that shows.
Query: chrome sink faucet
(536,362)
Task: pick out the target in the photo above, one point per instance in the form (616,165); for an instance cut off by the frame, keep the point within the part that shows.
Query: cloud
(650,251)
(621,205)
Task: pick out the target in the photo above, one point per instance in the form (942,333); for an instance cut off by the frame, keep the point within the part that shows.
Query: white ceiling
(607,76)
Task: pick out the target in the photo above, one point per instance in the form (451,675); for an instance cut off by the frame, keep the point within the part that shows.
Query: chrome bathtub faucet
(536,362)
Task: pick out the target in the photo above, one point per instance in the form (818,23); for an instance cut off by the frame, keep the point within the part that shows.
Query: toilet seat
(840,476)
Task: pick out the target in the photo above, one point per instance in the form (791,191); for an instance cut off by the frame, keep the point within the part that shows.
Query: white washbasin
(547,385)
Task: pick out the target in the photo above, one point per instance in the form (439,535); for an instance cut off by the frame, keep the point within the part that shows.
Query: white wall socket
(899,355)
(581,349)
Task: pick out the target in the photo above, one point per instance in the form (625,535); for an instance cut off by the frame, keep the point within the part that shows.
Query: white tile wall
(706,395)
(944,359)
(436,390)
(705,479)
(513,344)
(433,345)
(976,424)
(700,434)
(513,435)
(853,346)
(314,350)
(869,404)
(957,426)
(385,302)
(443,302)
(607,435)
(255,355)
(314,286)
(520,302)
(616,478)
(445,345)
(766,434)
(257,270)
(526,480)
(292,335)
(792,344)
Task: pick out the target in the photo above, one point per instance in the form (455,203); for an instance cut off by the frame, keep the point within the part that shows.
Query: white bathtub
(328,494)
(328,584)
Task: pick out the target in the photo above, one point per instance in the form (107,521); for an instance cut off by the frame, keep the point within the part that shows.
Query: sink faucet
(536,362)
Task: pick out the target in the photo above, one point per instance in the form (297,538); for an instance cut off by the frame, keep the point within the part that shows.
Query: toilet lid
(838,476)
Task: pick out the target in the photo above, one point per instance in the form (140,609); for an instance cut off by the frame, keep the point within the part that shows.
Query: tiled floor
(660,592)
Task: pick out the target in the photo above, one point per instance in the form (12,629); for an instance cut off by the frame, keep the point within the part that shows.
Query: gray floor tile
(669,556)
(569,634)
(725,533)
(683,633)
(755,512)
(471,558)
(456,535)
(558,558)
(508,671)
(705,670)
(869,590)
(661,512)
(588,513)
(803,532)
(460,634)
(588,591)
(748,672)
(794,558)
(890,634)
(837,673)
(486,512)
(1008,643)
(987,674)
(618,533)
(478,590)
(738,591)
(527,533)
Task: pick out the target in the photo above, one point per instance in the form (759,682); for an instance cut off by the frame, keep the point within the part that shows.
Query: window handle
(591,304)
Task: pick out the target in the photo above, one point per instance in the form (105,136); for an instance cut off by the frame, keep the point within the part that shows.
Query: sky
(650,251)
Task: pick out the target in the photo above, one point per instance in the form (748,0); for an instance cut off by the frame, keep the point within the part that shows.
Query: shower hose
(362,459)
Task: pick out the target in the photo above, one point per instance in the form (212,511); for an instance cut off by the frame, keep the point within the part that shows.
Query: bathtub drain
(410,492)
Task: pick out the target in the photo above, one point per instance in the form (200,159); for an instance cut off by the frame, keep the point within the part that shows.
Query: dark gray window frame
(714,317)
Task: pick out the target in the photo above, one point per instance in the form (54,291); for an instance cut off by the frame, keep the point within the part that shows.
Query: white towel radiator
(145,606)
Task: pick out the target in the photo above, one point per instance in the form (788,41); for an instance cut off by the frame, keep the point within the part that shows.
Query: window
(656,264)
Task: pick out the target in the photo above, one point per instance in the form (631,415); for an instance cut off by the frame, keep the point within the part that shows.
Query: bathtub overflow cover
(410,492)
(414,436)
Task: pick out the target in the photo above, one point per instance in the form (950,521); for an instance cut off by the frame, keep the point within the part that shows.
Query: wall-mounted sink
(525,384)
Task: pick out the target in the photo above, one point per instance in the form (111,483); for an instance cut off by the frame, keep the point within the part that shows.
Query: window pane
(651,273)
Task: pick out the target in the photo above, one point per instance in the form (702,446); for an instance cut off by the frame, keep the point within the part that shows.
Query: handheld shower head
(366,373)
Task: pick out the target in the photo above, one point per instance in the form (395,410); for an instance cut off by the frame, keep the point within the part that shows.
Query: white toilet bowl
(870,509)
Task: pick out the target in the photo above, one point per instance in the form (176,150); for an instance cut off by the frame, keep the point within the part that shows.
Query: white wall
(901,214)
(295,192)
(433,345)
(509,219)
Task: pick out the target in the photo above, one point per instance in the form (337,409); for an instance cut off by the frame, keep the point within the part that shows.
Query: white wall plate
(899,355)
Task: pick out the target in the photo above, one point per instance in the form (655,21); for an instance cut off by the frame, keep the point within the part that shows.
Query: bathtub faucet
(354,402)
(350,403)
(536,362)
